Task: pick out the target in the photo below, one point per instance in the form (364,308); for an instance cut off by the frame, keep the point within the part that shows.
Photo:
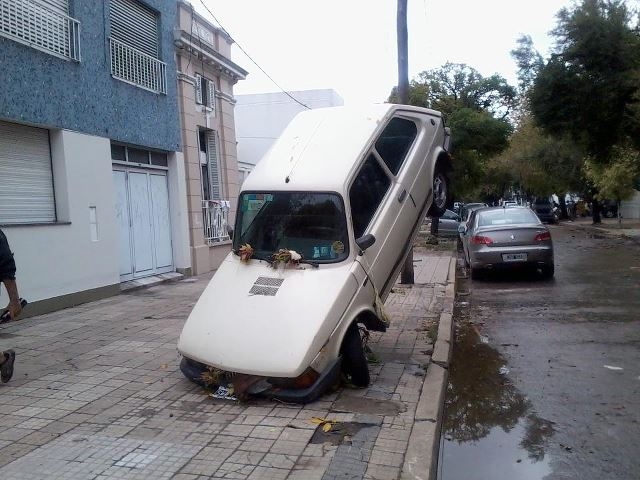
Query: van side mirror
(230,231)
(365,241)
(462,229)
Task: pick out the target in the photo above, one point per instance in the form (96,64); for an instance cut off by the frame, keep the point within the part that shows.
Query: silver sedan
(498,238)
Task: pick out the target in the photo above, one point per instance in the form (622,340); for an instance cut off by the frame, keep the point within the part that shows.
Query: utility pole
(403,98)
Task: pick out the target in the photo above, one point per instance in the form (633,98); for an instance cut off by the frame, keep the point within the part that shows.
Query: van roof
(320,148)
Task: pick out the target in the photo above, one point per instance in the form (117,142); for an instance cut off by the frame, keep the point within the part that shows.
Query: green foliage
(617,179)
(529,62)
(589,88)
(542,164)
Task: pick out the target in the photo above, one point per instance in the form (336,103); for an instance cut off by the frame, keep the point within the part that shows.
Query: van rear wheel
(441,192)
(354,361)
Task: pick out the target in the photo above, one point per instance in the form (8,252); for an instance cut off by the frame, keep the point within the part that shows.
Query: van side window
(395,141)
(366,194)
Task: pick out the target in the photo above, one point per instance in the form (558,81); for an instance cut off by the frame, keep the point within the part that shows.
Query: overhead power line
(249,57)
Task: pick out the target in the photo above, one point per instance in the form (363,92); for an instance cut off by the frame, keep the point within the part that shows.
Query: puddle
(489,428)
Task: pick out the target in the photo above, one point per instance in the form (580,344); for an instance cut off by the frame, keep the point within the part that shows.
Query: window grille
(137,68)
(40,26)
(134,44)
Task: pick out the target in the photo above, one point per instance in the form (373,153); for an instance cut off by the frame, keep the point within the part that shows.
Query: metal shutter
(60,6)
(135,25)
(214,168)
(26,179)
(198,89)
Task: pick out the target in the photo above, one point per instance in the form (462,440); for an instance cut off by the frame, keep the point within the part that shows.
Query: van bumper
(327,378)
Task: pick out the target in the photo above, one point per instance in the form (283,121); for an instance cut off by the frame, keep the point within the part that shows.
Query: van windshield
(312,224)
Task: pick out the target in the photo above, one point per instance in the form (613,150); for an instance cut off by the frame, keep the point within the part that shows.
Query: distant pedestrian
(8,277)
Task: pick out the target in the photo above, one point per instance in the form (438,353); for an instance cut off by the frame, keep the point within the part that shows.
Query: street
(545,377)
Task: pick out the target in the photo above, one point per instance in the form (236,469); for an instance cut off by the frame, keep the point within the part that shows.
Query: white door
(142,210)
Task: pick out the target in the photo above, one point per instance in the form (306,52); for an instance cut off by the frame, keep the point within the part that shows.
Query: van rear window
(395,141)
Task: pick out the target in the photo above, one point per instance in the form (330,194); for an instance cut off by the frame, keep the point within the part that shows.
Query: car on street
(466,211)
(323,228)
(448,224)
(545,209)
(499,238)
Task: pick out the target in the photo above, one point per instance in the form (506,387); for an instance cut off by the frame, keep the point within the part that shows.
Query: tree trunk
(435,223)
(563,207)
(595,211)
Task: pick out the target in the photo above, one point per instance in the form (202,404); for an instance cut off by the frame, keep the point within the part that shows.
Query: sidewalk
(628,228)
(97,394)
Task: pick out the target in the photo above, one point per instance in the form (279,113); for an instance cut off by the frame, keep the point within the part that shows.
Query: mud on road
(545,380)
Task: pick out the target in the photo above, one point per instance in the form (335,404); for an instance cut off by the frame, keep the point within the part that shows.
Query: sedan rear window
(506,216)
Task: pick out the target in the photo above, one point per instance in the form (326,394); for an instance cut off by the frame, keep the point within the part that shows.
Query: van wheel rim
(439,191)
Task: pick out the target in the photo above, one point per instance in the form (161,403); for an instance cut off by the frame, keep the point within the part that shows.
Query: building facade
(206,76)
(93,182)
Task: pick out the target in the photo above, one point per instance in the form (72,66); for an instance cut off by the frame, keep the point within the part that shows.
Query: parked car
(333,206)
(448,224)
(467,210)
(545,209)
(498,238)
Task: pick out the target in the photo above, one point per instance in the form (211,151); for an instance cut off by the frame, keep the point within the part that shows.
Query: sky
(350,46)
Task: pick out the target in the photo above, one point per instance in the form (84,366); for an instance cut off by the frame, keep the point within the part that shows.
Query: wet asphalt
(545,379)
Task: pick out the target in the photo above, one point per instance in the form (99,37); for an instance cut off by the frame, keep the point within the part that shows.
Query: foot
(6,369)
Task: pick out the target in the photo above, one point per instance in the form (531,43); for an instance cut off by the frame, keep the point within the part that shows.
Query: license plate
(514,257)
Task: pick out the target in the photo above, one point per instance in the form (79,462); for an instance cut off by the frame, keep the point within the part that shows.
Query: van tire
(441,192)
(354,361)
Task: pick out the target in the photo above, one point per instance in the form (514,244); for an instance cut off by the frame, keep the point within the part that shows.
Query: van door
(381,203)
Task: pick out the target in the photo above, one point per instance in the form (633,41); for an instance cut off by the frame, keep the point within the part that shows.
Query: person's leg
(6,365)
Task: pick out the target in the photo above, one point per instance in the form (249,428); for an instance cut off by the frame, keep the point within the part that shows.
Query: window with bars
(205,92)
(134,45)
(44,25)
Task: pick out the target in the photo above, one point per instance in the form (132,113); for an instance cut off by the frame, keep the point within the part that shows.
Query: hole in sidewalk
(341,432)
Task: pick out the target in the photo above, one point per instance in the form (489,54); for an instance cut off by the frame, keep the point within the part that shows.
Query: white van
(342,194)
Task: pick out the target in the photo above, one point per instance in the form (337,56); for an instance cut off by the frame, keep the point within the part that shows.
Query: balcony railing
(138,68)
(215,217)
(37,26)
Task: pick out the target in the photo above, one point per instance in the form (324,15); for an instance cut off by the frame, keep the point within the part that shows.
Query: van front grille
(267,286)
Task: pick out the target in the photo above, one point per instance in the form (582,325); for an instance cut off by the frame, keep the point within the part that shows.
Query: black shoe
(6,369)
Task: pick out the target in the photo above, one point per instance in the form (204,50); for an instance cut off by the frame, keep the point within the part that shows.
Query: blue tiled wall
(38,88)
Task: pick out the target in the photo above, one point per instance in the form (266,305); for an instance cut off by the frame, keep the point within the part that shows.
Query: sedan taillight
(543,237)
(480,240)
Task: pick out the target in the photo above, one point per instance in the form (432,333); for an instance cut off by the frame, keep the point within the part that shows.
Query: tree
(589,88)
(542,164)
(615,180)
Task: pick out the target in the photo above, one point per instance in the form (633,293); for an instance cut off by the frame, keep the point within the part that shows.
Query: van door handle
(402,195)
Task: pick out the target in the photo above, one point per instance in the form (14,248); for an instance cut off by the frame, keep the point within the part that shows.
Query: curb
(421,458)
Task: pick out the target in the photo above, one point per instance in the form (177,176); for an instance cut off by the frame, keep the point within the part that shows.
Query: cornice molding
(186,44)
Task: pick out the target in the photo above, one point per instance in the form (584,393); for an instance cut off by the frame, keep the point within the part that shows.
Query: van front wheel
(354,361)
(441,192)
